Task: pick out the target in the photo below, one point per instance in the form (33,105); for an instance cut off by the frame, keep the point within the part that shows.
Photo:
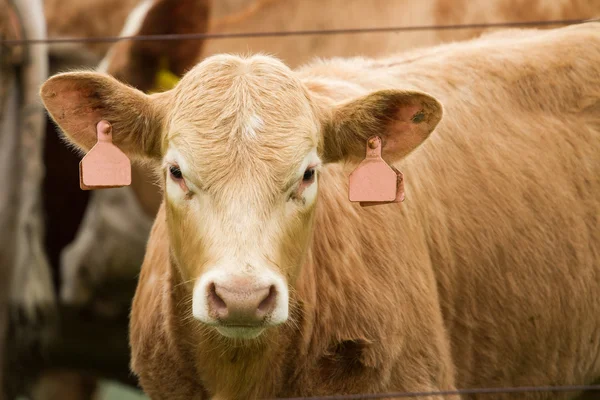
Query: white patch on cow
(133,23)
(259,277)
(251,125)
(310,194)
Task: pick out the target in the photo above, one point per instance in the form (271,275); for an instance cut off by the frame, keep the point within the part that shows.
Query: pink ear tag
(105,165)
(374,182)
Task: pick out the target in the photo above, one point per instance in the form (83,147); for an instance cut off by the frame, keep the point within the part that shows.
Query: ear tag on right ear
(105,165)
(374,182)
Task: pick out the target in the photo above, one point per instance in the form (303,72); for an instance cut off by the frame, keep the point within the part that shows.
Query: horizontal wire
(446,393)
(199,36)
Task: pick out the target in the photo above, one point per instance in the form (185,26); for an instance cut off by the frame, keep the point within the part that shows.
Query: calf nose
(240,305)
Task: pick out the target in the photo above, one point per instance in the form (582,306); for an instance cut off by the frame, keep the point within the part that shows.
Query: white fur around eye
(174,189)
(310,193)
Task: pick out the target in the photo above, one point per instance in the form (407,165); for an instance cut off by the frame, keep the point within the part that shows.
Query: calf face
(240,143)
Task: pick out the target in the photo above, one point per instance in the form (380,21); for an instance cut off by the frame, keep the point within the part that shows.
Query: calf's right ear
(77,101)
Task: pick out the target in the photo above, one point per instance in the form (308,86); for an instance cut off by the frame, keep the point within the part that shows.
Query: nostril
(217,304)
(268,302)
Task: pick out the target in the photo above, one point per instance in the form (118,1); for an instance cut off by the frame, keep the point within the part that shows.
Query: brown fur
(487,275)
(462,11)
(290,15)
(86,19)
(137,62)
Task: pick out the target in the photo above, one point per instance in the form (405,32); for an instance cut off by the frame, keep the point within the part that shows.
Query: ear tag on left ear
(105,165)
(374,182)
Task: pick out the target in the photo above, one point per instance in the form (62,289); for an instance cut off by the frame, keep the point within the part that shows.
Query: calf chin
(240,332)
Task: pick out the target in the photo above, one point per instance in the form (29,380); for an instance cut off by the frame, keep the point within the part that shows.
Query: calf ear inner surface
(77,101)
(403,120)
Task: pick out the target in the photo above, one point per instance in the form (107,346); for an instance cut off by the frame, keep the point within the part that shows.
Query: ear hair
(403,120)
(77,101)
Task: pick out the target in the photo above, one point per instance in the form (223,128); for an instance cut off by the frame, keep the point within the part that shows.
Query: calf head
(240,144)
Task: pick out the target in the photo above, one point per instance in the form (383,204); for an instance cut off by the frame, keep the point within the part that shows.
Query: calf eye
(175,172)
(309,175)
(177,177)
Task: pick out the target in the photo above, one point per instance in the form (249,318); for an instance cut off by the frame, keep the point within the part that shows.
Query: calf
(136,63)
(261,279)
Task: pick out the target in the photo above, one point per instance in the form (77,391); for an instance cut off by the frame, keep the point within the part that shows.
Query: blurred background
(69,259)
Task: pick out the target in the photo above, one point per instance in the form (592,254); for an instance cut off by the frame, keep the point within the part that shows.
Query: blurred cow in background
(24,271)
(83,19)
(30,312)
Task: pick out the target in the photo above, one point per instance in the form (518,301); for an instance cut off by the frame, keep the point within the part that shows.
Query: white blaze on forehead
(251,125)
(132,26)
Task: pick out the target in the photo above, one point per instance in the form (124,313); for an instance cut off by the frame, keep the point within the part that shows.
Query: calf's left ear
(403,120)
(77,101)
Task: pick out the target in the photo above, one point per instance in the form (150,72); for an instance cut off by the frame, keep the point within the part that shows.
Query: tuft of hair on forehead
(241,97)
(246,112)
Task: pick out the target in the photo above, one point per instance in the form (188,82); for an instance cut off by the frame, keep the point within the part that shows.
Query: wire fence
(447,393)
(323,32)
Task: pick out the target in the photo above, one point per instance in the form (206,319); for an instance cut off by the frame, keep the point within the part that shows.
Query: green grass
(115,391)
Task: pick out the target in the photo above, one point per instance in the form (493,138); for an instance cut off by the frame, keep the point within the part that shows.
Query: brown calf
(257,284)
(118,220)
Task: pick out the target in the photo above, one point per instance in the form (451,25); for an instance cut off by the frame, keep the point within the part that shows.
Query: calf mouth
(240,331)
